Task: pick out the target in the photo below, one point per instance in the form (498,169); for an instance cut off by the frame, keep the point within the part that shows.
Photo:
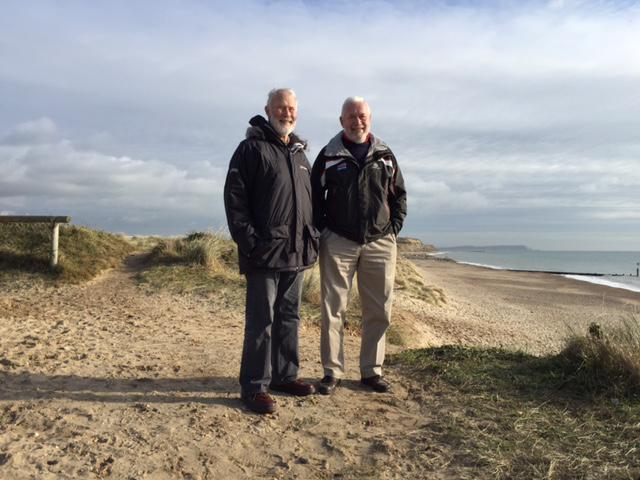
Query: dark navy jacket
(267,197)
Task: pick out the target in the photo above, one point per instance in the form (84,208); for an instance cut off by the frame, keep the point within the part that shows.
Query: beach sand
(533,312)
(110,379)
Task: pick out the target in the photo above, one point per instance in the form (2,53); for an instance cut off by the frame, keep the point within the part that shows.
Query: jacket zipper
(295,203)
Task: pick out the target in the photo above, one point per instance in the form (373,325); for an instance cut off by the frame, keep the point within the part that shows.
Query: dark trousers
(270,349)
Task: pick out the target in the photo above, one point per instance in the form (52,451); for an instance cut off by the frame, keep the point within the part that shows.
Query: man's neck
(346,139)
(358,151)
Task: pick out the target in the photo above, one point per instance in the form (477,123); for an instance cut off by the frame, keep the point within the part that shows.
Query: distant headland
(487,248)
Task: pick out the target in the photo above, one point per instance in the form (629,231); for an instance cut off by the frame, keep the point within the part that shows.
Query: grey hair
(276,92)
(351,101)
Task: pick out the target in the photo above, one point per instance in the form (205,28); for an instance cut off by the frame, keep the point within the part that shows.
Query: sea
(613,269)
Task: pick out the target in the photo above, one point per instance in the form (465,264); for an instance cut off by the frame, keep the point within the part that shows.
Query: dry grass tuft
(410,282)
(208,250)
(606,360)
(204,263)
(83,252)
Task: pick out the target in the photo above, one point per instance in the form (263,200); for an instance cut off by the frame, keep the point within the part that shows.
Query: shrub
(606,360)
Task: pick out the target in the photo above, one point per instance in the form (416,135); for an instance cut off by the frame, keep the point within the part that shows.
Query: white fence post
(53,221)
(54,244)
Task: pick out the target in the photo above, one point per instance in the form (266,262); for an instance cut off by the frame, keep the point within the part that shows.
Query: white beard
(282,129)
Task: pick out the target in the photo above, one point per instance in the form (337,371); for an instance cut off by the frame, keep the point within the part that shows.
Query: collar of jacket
(336,148)
(261,129)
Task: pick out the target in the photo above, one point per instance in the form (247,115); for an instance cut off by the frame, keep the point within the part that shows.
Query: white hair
(350,101)
(276,92)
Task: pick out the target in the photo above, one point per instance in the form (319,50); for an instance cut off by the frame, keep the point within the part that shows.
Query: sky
(512,122)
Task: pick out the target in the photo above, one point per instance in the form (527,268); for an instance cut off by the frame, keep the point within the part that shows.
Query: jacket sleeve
(237,193)
(318,192)
(397,199)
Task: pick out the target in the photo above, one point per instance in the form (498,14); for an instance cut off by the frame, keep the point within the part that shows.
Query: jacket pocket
(271,250)
(311,245)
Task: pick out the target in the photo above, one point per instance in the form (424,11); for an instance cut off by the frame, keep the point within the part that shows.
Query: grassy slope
(513,415)
(83,253)
(200,263)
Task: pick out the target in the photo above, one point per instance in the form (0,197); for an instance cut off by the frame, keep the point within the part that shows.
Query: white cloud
(437,197)
(57,174)
(500,110)
(42,130)
(633,214)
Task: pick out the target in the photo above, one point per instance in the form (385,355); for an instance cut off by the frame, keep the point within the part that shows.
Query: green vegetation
(83,253)
(607,360)
(514,415)
(202,263)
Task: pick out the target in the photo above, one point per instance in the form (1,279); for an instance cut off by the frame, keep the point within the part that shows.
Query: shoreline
(633,285)
(595,278)
(532,311)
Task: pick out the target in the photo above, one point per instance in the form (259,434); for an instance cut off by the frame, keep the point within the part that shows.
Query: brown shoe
(328,385)
(297,388)
(377,383)
(260,402)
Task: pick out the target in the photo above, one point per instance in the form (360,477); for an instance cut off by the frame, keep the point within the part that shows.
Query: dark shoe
(328,384)
(260,402)
(377,383)
(297,388)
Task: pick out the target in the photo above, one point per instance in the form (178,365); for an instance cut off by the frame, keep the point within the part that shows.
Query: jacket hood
(336,148)
(261,129)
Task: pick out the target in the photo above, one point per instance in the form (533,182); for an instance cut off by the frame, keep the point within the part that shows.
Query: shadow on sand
(30,386)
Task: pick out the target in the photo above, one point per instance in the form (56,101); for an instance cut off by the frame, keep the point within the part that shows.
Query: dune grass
(513,415)
(201,263)
(83,252)
(607,360)
(410,282)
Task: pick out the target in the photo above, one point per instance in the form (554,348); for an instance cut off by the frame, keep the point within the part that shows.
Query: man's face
(283,113)
(356,122)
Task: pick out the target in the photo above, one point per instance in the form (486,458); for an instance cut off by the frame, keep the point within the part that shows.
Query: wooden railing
(53,221)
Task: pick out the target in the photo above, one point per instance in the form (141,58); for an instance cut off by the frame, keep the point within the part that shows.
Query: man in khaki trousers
(359,204)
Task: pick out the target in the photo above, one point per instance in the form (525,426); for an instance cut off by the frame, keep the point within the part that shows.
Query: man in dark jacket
(267,198)
(359,202)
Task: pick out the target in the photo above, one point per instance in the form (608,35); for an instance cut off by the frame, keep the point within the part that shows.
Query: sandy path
(111,379)
(108,379)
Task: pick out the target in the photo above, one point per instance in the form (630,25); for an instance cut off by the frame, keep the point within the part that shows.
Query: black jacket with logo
(360,202)
(267,198)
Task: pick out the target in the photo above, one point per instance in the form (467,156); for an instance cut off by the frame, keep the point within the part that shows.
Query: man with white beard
(267,197)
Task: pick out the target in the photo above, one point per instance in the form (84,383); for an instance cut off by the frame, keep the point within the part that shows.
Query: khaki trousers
(375,263)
